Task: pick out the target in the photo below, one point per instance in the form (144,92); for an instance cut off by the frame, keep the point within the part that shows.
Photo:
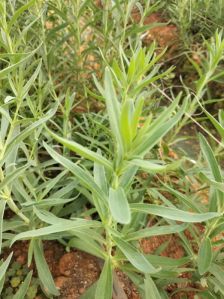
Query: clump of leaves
(111,181)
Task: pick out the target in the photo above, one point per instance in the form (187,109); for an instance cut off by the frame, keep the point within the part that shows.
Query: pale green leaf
(151,291)
(2,210)
(152,167)
(21,293)
(4,266)
(119,205)
(173,213)
(81,150)
(156,231)
(210,158)
(105,282)
(204,256)
(136,258)
(44,273)
(19,12)
(84,178)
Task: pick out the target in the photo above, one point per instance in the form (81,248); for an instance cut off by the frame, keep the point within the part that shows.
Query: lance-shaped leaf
(81,150)
(173,213)
(7,70)
(2,210)
(153,167)
(119,205)
(204,256)
(43,270)
(151,291)
(12,176)
(113,106)
(216,185)
(136,258)
(4,266)
(126,119)
(26,132)
(156,231)
(84,178)
(149,140)
(105,282)
(210,158)
(21,293)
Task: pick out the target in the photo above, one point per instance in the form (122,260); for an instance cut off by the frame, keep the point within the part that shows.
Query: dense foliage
(93,135)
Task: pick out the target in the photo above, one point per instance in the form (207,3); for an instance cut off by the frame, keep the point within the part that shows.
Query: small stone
(61,281)
(81,290)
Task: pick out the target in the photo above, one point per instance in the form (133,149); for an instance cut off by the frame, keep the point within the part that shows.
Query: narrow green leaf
(218,199)
(204,256)
(4,266)
(84,177)
(44,273)
(100,176)
(166,262)
(25,133)
(7,70)
(90,292)
(81,150)
(2,210)
(218,229)
(166,113)
(62,226)
(210,158)
(12,176)
(119,205)
(173,213)
(28,85)
(217,271)
(152,167)
(19,12)
(217,285)
(136,258)
(21,293)
(113,106)
(151,291)
(216,185)
(126,123)
(216,124)
(184,199)
(136,115)
(149,140)
(87,245)
(105,282)
(156,231)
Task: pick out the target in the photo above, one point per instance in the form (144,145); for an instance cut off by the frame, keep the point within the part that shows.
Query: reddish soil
(166,36)
(74,272)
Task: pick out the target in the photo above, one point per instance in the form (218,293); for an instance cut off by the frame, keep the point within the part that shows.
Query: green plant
(196,19)
(109,188)
(93,181)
